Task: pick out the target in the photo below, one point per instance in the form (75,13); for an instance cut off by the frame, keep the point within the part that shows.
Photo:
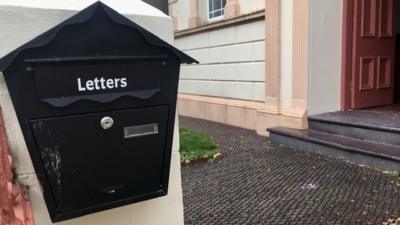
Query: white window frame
(214,19)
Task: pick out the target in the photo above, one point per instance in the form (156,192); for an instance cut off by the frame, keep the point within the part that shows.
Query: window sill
(259,15)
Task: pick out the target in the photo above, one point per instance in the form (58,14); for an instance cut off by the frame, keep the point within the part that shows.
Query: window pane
(217,4)
(216,8)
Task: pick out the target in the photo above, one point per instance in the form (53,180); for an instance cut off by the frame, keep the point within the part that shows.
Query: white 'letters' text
(101,84)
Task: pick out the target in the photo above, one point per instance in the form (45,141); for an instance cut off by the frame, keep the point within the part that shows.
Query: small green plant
(396,173)
(196,146)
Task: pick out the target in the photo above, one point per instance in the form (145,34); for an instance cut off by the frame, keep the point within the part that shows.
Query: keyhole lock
(106,122)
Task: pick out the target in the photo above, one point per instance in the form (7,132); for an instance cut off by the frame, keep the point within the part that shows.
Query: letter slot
(140,130)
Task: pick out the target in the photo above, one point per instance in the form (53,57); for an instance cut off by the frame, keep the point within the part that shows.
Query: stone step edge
(284,132)
(358,125)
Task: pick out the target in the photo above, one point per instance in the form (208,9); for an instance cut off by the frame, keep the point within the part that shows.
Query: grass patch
(396,173)
(196,146)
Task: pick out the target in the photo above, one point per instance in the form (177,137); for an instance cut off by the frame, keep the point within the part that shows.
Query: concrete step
(364,125)
(372,154)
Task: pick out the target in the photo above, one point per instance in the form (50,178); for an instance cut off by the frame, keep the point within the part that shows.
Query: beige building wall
(236,82)
(231,62)
(228,85)
(180,9)
(249,6)
(302,63)
(20,21)
(186,10)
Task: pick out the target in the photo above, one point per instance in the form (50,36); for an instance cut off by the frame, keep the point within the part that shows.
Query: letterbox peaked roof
(84,16)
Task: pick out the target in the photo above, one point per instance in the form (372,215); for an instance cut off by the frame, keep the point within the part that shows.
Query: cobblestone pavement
(261,183)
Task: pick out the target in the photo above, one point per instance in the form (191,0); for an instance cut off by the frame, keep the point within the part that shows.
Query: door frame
(347,54)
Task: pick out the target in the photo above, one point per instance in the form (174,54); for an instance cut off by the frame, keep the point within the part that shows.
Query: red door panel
(373,53)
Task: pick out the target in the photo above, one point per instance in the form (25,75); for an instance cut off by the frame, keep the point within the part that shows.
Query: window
(215,9)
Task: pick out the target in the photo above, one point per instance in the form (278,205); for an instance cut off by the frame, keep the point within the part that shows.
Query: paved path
(261,183)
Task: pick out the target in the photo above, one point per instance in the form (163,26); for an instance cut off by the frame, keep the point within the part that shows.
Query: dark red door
(373,53)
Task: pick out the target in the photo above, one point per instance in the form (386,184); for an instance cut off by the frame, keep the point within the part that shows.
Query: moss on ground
(196,146)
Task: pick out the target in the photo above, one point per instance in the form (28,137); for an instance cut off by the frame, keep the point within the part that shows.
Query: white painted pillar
(21,21)
(286,52)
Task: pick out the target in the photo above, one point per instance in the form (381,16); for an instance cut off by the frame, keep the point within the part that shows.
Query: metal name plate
(141,130)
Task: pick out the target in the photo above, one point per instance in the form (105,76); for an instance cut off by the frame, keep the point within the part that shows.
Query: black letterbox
(95,97)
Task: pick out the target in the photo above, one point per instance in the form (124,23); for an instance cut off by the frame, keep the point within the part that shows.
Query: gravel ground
(262,183)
